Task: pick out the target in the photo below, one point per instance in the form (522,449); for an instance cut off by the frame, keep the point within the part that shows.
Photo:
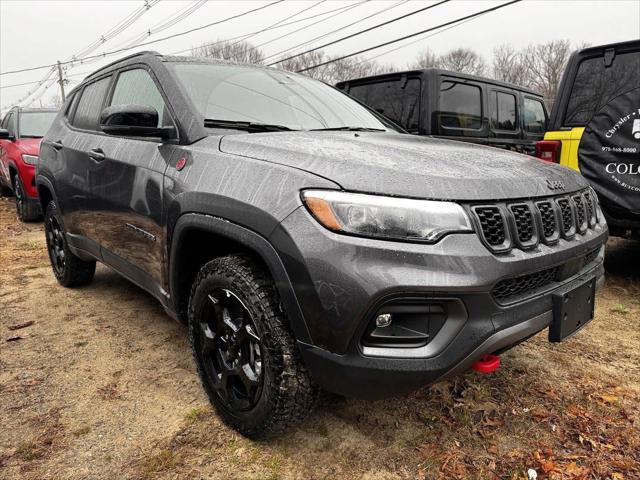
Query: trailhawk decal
(609,151)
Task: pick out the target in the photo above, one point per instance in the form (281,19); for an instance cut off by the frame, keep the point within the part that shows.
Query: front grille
(492,225)
(591,209)
(581,212)
(567,215)
(524,284)
(506,225)
(524,222)
(548,219)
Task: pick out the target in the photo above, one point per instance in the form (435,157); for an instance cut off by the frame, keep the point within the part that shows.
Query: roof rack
(133,55)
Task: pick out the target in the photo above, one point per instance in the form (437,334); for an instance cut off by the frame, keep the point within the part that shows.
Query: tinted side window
(503,111)
(90,105)
(535,120)
(136,87)
(595,85)
(71,106)
(394,99)
(460,106)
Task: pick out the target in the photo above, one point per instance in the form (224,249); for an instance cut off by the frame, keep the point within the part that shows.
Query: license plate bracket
(573,308)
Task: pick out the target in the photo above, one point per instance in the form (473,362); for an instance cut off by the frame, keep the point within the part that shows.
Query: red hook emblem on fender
(181,163)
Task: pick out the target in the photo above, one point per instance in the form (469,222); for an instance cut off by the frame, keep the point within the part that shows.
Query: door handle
(57,145)
(96,154)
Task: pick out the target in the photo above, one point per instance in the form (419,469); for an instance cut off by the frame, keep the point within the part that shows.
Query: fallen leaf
(18,326)
(15,338)
(609,398)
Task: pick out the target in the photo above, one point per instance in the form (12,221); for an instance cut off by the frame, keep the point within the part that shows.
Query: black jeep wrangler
(304,240)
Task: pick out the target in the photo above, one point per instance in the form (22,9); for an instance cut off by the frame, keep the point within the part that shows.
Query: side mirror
(134,121)
(5,135)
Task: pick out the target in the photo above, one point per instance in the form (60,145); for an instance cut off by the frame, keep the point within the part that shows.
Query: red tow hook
(487,364)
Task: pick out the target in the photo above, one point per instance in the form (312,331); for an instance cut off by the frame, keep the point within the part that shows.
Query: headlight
(386,217)
(30,159)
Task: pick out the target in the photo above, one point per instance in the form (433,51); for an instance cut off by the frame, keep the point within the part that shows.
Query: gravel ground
(102,386)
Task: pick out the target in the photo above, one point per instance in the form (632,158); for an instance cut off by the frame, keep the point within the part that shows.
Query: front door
(128,184)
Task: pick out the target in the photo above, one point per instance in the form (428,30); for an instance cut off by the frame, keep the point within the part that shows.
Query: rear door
(77,174)
(460,111)
(128,185)
(504,118)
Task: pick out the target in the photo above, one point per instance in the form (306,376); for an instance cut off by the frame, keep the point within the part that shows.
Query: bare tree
(303,61)
(509,65)
(463,60)
(241,51)
(426,59)
(545,63)
(54,101)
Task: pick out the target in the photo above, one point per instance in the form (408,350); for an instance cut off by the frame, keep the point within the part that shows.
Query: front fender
(254,242)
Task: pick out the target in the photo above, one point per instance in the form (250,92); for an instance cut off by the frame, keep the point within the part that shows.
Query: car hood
(29,146)
(408,165)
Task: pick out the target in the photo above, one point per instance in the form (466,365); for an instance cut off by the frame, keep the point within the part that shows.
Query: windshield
(35,124)
(247,94)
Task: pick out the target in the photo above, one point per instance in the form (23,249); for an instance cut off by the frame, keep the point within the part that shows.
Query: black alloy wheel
(20,200)
(69,270)
(55,244)
(245,352)
(231,350)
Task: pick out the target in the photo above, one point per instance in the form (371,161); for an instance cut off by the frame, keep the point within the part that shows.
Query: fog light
(383,320)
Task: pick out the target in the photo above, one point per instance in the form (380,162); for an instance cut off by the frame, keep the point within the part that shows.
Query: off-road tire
(288,394)
(74,272)
(27,211)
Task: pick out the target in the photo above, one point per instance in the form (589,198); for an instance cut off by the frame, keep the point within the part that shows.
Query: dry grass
(103,387)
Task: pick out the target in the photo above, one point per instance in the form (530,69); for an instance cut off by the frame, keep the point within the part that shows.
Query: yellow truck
(594,128)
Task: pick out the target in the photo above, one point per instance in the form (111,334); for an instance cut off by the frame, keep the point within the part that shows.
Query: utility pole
(61,81)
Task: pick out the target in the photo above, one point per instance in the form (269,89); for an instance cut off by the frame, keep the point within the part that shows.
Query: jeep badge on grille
(555,185)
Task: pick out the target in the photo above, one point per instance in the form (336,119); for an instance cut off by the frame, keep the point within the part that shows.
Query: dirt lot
(102,385)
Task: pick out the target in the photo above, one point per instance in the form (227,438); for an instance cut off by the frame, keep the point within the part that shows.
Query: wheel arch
(198,238)
(13,171)
(46,192)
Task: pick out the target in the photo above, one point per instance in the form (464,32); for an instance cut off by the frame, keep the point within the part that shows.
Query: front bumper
(357,375)
(341,281)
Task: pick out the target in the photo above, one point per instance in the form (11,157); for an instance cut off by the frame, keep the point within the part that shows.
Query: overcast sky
(34,33)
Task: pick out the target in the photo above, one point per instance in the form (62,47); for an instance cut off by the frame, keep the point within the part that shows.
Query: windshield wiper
(248,126)
(348,129)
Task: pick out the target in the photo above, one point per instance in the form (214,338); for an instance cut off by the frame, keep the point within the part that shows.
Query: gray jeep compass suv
(304,239)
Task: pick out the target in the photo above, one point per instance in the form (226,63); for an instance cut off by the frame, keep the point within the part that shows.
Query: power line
(168,37)
(498,7)
(362,31)
(342,10)
(164,24)
(38,81)
(418,40)
(244,35)
(319,37)
(118,28)
(281,21)
(111,33)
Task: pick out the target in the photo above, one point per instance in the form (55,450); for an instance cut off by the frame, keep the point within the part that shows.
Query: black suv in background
(305,241)
(456,106)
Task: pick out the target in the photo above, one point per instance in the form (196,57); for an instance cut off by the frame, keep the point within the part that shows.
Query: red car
(21,131)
